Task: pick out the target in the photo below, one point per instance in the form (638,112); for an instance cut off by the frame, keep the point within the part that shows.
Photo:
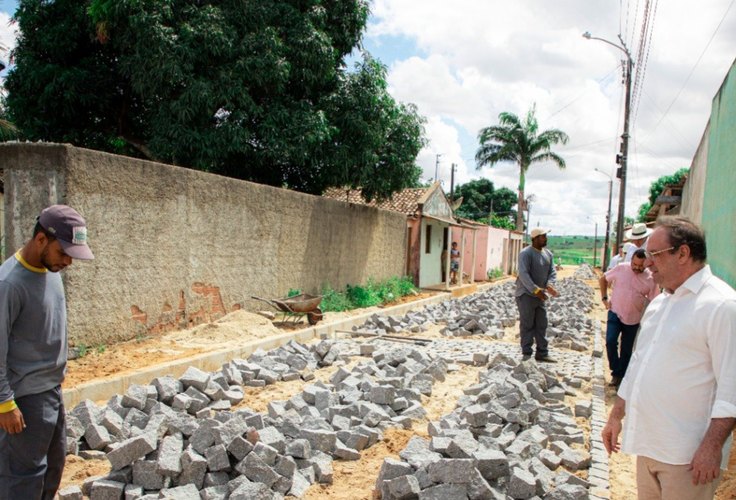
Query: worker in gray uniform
(33,352)
(533,287)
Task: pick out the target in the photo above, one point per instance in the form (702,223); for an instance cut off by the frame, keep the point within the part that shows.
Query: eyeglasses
(651,255)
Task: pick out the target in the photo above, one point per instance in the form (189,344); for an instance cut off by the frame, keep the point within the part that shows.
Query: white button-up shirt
(682,372)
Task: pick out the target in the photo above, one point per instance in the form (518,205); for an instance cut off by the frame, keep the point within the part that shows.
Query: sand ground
(352,479)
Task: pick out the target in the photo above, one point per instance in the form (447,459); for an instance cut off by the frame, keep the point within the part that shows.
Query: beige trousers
(660,481)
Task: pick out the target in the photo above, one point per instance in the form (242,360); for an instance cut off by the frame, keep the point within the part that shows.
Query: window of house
(428,240)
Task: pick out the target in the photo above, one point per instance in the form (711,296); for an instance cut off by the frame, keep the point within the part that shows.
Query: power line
(696,65)
(599,81)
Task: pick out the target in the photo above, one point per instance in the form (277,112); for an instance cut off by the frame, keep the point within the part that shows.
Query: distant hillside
(574,249)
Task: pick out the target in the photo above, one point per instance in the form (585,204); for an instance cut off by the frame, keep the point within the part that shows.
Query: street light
(622,159)
(528,206)
(608,220)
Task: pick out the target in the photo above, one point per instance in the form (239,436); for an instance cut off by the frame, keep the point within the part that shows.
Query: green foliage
(520,142)
(373,293)
(101,349)
(332,300)
(574,249)
(293,292)
(253,90)
(82,349)
(478,198)
(361,296)
(495,273)
(656,188)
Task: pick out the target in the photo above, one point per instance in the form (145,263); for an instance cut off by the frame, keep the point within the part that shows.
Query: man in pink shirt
(633,289)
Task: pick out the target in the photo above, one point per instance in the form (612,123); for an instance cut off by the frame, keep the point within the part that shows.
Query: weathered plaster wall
(719,203)
(692,192)
(176,247)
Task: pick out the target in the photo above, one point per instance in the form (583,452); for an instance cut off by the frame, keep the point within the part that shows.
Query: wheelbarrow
(297,306)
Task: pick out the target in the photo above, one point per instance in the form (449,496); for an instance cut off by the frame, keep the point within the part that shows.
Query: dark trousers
(619,362)
(532,324)
(31,462)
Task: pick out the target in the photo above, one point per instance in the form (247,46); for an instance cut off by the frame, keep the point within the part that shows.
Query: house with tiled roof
(429,219)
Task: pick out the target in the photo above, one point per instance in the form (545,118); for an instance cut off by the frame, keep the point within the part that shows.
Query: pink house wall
(489,243)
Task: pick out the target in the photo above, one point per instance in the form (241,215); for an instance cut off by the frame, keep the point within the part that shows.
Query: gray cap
(67,226)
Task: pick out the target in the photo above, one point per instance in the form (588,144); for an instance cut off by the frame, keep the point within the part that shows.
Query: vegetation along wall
(175,247)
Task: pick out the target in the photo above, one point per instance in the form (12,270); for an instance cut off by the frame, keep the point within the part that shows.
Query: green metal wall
(719,197)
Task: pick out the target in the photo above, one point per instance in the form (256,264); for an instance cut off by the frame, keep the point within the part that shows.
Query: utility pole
(595,245)
(606,248)
(623,158)
(437,166)
(452,184)
(624,153)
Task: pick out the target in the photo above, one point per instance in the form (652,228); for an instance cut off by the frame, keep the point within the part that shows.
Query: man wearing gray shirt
(33,350)
(534,283)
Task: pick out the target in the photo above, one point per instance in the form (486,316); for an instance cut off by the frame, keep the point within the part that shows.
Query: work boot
(526,357)
(545,359)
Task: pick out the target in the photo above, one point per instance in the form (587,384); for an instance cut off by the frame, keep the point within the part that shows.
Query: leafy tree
(375,135)
(656,188)
(7,129)
(518,141)
(253,90)
(480,196)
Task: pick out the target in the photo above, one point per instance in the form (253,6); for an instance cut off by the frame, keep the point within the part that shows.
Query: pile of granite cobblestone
(179,438)
(510,436)
(584,272)
(489,312)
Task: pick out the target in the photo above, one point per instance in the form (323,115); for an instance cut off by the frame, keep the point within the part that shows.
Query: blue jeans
(619,362)
(31,462)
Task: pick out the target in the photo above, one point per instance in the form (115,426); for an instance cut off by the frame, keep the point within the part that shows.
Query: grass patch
(372,293)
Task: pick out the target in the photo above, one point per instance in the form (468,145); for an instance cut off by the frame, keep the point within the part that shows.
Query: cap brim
(81,252)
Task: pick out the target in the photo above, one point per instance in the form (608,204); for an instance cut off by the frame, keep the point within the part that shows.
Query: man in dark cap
(33,350)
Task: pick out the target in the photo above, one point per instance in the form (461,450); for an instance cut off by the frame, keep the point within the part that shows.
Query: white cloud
(477,58)
(8,35)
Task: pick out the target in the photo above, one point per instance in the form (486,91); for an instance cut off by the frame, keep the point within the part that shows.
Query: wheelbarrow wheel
(315,316)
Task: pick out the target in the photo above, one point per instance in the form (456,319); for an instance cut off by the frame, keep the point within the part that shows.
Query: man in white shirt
(636,238)
(616,259)
(679,393)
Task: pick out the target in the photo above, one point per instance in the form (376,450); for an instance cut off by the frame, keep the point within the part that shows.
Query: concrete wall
(496,239)
(692,192)
(176,247)
(719,203)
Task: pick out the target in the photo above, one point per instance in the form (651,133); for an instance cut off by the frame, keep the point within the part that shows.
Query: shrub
(332,300)
(495,273)
(363,296)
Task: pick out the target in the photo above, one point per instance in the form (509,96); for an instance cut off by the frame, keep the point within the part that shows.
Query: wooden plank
(668,200)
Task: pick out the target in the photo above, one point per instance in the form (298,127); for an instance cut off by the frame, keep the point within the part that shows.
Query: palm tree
(519,142)
(7,129)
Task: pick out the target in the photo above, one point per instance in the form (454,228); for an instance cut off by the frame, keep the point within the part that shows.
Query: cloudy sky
(464,62)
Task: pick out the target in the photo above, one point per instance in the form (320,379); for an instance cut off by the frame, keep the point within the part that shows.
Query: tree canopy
(483,203)
(656,188)
(520,142)
(253,90)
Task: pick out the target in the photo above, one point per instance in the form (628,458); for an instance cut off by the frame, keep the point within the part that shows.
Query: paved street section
(519,429)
